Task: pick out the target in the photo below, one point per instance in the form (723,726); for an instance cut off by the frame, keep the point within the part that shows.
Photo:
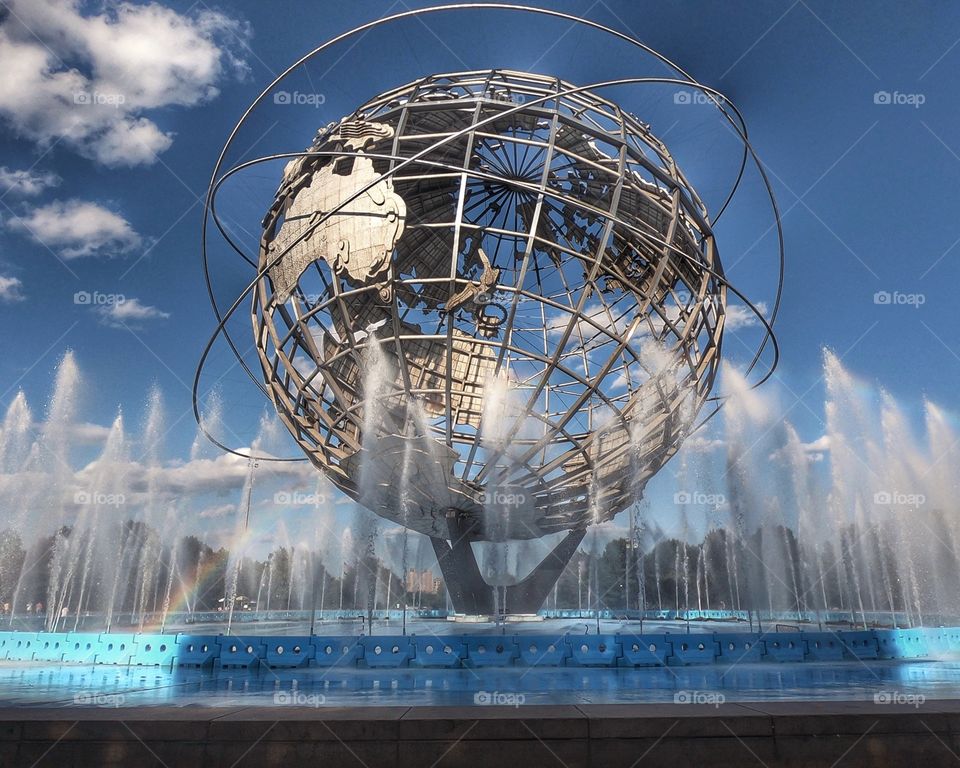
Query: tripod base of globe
(469,591)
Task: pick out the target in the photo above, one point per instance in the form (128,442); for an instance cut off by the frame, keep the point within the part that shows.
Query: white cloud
(819,446)
(698,444)
(81,433)
(603,533)
(224,474)
(87,433)
(739,316)
(130,312)
(78,228)
(85,78)
(217,512)
(27,183)
(594,314)
(10,289)
(813,452)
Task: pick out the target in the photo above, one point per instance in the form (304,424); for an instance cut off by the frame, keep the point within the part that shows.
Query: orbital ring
(715,96)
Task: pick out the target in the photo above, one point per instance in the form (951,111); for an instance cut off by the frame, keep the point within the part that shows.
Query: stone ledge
(784,734)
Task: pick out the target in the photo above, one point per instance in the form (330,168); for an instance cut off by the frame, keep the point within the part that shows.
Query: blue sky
(852,107)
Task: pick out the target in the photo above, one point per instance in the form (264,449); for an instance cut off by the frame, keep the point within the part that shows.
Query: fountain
(489,307)
(856,528)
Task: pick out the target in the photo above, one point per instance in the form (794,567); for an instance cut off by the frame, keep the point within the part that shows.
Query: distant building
(423,581)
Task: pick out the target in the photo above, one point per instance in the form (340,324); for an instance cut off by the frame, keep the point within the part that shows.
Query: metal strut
(468,590)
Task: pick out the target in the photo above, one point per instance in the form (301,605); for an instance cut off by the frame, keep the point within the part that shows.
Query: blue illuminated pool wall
(622,649)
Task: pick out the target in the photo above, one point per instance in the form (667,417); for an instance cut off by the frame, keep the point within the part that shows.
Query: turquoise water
(46,685)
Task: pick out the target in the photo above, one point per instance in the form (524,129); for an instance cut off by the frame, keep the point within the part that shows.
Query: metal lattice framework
(553,255)
(488,304)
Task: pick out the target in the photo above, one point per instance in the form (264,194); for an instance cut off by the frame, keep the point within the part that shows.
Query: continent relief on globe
(358,240)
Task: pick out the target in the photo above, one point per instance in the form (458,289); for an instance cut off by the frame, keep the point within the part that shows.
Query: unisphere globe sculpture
(490,305)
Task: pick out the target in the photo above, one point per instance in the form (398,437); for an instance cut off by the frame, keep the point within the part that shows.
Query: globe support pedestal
(469,592)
